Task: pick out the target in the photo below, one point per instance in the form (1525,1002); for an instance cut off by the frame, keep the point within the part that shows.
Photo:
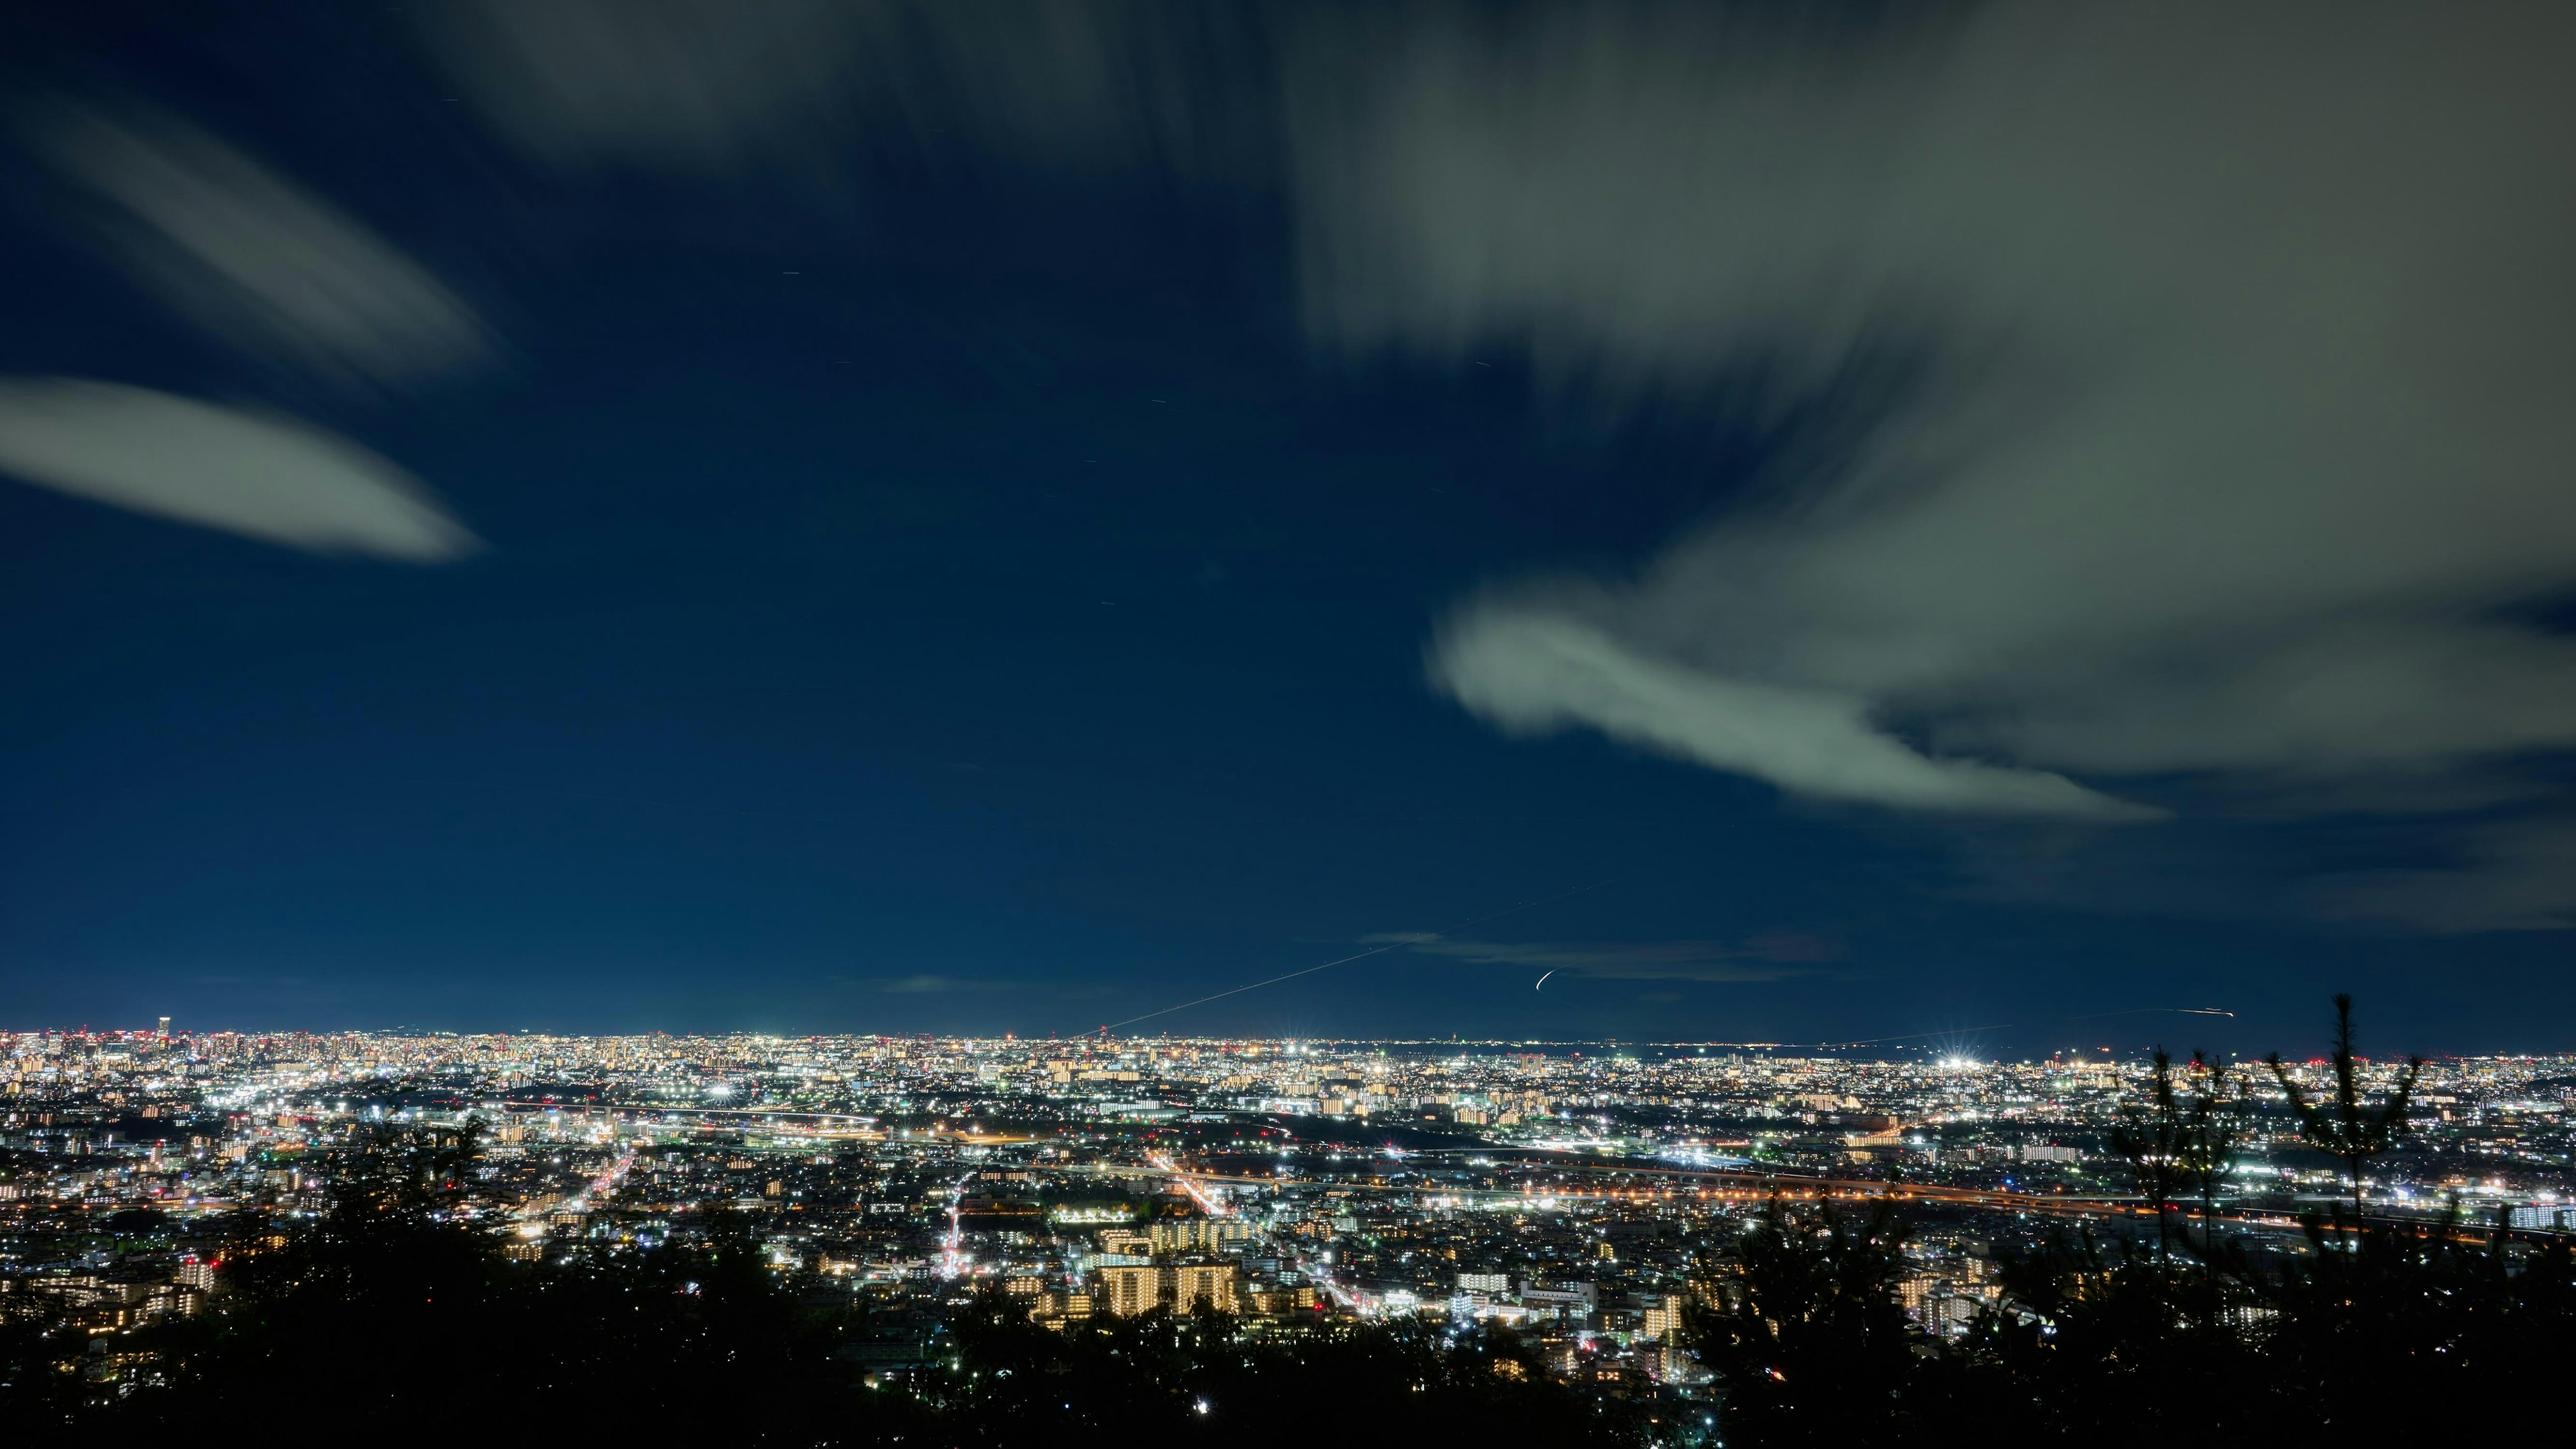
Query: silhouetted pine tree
(2155,1138)
(2112,1347)
(2211,1132)
(2345,1126)
(1810,1345)
(2419,1329)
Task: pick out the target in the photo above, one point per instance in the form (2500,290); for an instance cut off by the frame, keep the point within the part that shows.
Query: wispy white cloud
(257,260)
(2237,426)
(1769,957)
(1532,672)
(931,984)
(790,87)
(2508,876)
(2216,385)
(264,476)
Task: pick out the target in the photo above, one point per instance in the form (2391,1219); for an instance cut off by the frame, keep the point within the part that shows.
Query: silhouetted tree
(395,1316)
(2155,1139)
(2108,1347)
(2210,1133)
(2345,1126)
(1810,1344)
(1124,1380)
(2404,1329)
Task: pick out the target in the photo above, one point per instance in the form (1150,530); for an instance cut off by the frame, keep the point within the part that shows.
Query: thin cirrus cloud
(276,272)
(930,984)
(269,478)
(927,983)
(1768,957)
(2517,875)
(2237,440)
(1533,673)
(258,261)
(795,87)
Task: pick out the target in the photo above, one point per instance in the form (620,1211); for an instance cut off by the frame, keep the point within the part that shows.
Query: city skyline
(1066,1236)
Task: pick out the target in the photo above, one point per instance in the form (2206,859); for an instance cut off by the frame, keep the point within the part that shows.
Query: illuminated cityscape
(1579,1194)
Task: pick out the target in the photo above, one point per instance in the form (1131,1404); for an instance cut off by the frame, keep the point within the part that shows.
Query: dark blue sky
(929,580)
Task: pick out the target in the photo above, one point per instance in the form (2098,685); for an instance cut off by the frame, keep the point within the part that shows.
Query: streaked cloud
(257,260)
(2171,399)
(1769,957)
(2217,435)
(261,475)
(2515,875)
(940,983)
(931,984)
(2230,429)
(1533,673)
(696,86)
(793,87)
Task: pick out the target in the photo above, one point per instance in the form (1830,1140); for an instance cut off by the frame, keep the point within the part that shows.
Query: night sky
(1805,524)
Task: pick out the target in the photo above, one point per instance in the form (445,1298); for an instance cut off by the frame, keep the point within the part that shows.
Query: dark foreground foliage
(1160,1376)
(391,1320)
(2425,1330)
(2384,1328)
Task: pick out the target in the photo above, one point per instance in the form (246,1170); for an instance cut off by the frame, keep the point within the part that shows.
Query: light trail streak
(1757,1187)
(601,1185)
(951,1257)
(1207,1205)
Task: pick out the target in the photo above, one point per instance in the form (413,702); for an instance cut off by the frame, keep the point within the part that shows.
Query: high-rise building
(1198,1235)
(1212,1284)
(1127,1291)
(165,1028)
(1663,1320)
